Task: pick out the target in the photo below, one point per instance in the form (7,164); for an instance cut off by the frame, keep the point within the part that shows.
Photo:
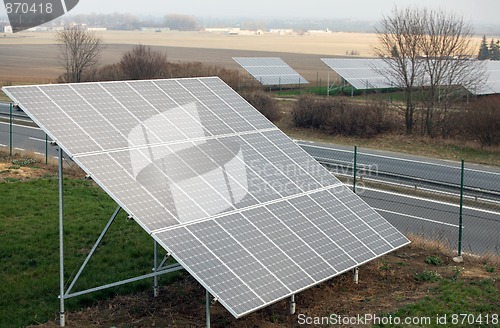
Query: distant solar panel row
(365,74)
(270,70)
(362,74)
(243,208)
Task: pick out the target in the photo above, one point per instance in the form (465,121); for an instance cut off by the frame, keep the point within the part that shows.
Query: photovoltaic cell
(362,74)
(243,208)
(270,70)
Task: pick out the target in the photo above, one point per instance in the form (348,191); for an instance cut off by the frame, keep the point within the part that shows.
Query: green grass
(452,297)
(29,248)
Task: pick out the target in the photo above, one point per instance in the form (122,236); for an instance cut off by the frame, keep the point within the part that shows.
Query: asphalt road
(437,220)
(479,181)
(409,214)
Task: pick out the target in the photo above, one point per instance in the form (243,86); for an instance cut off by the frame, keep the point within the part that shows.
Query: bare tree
(399,38)
(430,51)
(80,52)
(447,50)
(142,62)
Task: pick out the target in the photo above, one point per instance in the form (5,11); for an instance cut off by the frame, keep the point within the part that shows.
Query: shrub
(264,104)
(426,275)
(482,120)
(434,260)
(143,62)
(340,115)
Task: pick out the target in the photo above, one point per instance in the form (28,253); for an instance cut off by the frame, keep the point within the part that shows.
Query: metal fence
(449,204)
(421,197)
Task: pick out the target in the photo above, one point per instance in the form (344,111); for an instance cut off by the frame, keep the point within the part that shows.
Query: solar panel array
(270,70)
(243,208)
(492,83)
(362,74)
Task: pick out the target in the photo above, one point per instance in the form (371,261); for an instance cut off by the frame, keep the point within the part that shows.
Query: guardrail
(342,167)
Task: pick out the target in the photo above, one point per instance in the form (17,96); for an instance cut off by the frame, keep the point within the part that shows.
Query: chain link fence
(423,198)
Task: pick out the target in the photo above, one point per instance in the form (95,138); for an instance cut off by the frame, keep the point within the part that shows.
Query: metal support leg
(62,316)
(94,248)
(208,307)
(156,290)
(292,304)
(356,275)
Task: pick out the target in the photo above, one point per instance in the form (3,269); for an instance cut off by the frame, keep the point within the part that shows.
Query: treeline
(143,63)
(489,51)
(474,121)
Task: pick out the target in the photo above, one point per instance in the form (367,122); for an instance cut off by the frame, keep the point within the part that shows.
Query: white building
(7,29)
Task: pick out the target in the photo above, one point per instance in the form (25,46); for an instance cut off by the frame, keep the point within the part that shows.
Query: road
(25,138)
(427,217)
(479,181)
(437,220)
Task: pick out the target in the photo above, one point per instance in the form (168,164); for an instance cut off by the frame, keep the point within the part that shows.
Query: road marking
(23,126)
(21,149)
(2,145)
(37,139)
(311,144)
(428,200)
(418,218)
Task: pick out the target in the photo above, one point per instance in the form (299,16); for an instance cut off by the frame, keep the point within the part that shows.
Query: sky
(486,11)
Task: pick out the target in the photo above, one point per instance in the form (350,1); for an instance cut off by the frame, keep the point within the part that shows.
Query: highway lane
(407,169)
(437,220)
(25,138)
(409,214)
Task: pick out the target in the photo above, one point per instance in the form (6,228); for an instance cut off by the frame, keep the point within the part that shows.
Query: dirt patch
(385,285)
(22,167)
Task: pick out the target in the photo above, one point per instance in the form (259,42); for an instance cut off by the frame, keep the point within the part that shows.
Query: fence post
(46,149)
(355,168)
(460,224)
(10,131)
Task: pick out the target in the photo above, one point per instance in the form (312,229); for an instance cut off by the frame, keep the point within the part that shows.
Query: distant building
(7,29)
(97,29)
(281,31)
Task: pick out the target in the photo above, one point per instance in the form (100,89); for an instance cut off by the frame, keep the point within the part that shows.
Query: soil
(385,285)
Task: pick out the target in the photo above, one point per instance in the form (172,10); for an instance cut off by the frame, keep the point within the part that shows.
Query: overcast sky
(474,10)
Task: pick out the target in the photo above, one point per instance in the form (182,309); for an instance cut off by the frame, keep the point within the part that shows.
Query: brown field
(32,57)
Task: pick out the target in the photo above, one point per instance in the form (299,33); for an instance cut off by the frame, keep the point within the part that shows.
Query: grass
(449,299)
(30,246)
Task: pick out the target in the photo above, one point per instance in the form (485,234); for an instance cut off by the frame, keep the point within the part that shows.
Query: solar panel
(270,70)
(492,83)
(237,203)
(362,74)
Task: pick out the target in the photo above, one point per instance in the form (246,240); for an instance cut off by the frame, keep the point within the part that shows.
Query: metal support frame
(292,304)
(10,130)
(207,304)
(356,275)
(62,316)
(63,295)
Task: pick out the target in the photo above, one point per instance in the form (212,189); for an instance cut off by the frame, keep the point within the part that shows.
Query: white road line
(395,158)
(417,217)
(22,126)
(429,200)
(37,139)
(21,149)
(2,145)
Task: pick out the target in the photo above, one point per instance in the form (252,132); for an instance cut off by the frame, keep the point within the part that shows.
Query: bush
(426,275)
(433,260)
(264,104)
(142,62)
(482,120)
(340,115)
